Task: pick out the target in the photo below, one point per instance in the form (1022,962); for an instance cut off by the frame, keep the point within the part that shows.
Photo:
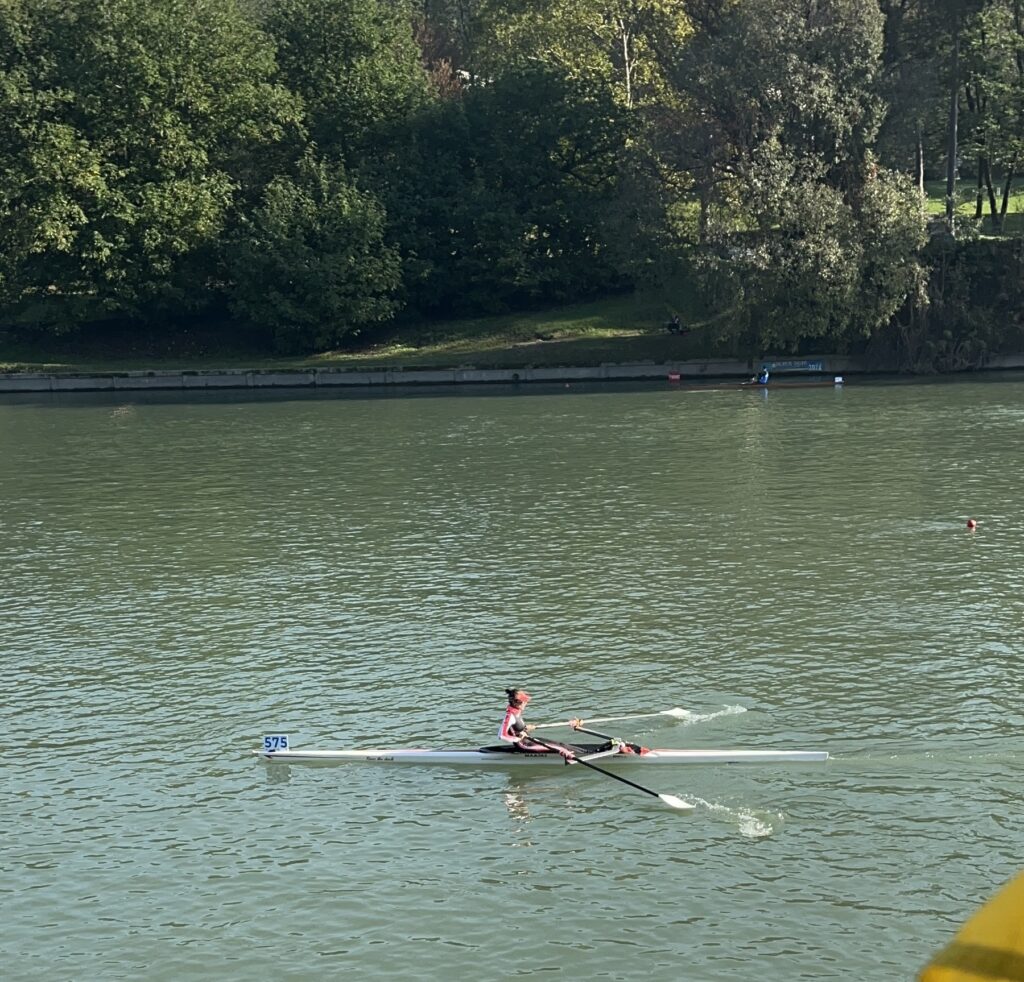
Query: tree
(310,264)
(496,198)
(797,218)
(952,18)
(354,63)
(993,76)
(912,87)
(132,124)
(609,39)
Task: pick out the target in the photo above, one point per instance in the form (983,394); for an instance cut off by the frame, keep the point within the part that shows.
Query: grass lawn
(619,329)
(966,194)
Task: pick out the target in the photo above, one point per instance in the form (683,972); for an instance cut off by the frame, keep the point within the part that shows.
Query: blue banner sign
(796,366)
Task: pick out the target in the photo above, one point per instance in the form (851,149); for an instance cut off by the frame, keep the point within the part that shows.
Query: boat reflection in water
(516,805)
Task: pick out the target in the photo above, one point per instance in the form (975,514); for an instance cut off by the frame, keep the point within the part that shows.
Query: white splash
(692,717)
(751,823)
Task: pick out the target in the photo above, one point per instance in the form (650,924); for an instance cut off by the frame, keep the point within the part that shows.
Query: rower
(513,730)
(762,376)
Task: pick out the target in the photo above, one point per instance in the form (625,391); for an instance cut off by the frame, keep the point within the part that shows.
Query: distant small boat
(835,382)
(795,383)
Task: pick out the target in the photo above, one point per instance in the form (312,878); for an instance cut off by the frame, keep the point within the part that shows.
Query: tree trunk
(919,161)
(979,197)
(951,145)
(705,212)
(997,219)
(1018,22)
(627,63)
(1006,192)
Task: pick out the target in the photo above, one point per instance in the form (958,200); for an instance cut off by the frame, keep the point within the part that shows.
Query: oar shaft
(603,736)
(615,719)
(676,713)
(601,770)
(618,777)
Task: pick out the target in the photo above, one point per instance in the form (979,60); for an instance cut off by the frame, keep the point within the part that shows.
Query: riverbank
(617,338)
(329,378)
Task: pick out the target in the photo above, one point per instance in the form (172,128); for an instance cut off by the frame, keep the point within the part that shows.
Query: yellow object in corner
(989,947)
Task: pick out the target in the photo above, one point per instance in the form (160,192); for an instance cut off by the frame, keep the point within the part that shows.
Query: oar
(670,799)
(606,736)
(603,736)
(676,713)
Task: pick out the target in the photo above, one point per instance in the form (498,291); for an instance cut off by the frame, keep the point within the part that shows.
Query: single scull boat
(505,756)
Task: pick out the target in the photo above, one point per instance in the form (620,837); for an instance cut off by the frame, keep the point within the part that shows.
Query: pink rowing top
(512,728)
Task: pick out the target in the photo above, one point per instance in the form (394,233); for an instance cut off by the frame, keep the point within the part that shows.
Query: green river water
(181,574)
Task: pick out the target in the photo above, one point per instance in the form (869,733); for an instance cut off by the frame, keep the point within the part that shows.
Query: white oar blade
(677,803)
(677,713)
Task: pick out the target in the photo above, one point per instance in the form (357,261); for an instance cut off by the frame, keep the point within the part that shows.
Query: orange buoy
(972,524)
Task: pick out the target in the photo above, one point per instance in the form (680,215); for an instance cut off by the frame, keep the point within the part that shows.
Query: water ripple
(180,577)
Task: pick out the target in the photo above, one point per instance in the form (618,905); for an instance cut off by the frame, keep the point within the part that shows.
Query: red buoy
(972,524)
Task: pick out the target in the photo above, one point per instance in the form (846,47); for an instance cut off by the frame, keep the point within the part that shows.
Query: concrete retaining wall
(335,377)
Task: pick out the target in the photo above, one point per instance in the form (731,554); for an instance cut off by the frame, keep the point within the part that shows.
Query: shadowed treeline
(308,174)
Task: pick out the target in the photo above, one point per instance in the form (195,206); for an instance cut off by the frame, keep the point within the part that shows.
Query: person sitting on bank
(674,325)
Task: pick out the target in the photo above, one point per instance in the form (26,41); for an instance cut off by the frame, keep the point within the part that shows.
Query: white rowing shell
(501,758)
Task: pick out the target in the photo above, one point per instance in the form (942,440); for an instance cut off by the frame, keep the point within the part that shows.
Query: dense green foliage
(310,263)
(131,124)
(501,194)
(315,169)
